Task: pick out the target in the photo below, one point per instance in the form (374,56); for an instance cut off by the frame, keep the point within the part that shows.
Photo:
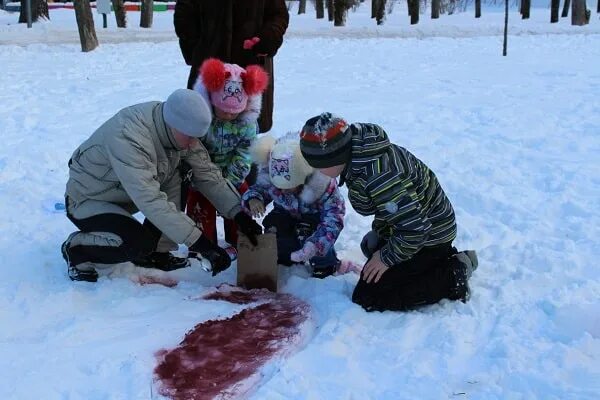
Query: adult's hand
(248,226)
(218,257)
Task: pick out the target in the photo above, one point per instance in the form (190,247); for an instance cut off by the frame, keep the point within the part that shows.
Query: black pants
(138,239)
(424,279)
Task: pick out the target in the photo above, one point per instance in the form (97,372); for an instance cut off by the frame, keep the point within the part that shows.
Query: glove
(218,257)
(305,253)
(369,243)
(248,226)
(249,43)
(256,207)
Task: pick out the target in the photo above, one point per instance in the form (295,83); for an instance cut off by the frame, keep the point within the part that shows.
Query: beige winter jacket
(128,161)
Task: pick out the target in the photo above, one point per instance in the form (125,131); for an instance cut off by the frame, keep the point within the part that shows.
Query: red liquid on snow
(217,356)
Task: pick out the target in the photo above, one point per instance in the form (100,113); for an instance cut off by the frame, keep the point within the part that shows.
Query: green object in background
(160,7)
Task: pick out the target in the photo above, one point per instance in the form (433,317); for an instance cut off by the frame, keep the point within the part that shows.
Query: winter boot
(162,261)
(76,273)
(323,271)
(463,265)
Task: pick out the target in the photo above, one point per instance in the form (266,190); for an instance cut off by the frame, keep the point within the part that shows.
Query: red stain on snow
(223,357)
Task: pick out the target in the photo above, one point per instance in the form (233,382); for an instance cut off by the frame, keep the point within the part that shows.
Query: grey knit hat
(188,112)
(326,141)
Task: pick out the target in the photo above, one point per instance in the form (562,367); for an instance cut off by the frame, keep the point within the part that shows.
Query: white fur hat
(287,167)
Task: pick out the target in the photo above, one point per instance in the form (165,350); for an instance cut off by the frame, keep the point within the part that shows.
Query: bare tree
(380,15)
(565,11)
(146,13)
(320,7)
(301,7)
(477,8)
(578,13)
(598,7)
(339,12)
(85,24)
(525,8)
(435,9)
(413,9)
(505,43)
(554,6)
(120,13)
(374,8)
(39,9)
(330,10)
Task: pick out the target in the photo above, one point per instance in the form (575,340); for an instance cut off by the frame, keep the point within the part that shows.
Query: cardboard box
(257,266)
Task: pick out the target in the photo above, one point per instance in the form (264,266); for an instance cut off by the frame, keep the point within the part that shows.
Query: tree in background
(505,43)
(320,8)
(477,8)
(120,13)
(330,12)
(579,13)
(340,12)
(525,8)
(435,9)
(301,7)
(85,24)
(554,6)
(380,12)
(565,11)
(413,11)
(146,14)
(39,9)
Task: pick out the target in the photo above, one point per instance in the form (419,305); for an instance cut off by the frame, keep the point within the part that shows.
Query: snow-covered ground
(515,141)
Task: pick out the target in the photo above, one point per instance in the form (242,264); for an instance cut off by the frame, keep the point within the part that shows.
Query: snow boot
(321,271)
(463,265)
(75,273)
(163,261)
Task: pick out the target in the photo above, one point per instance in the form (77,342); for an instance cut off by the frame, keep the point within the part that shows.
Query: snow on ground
(514,141)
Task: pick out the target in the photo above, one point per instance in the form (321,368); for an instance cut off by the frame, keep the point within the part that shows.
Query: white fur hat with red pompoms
(232,88)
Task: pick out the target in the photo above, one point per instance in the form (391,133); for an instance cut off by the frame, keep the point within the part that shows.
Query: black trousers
(424,279)
(138,239)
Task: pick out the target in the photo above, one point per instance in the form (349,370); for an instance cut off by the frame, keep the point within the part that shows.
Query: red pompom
(255,80)
(213,74)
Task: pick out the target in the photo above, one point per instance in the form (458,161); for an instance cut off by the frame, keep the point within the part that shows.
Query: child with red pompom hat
(235,94)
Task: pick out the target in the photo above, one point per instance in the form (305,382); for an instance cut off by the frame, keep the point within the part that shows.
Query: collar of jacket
(164,132)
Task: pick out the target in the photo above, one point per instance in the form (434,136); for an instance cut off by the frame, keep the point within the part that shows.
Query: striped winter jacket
(411,210)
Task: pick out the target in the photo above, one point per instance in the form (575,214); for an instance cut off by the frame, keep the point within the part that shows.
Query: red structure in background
(223,357)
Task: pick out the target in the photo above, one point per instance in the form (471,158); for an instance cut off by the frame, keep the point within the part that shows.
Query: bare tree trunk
(374,4)
(598,7)
(339,12)
(85,23)
(320,7)
(330,10)
(39,9)
(146,13)
(380,12)
(435,9)
(413,9)
(120,13)
(477,8)
(554,6)
(578,11)
(565,11)
(301,7)
(505,44)
(525,8)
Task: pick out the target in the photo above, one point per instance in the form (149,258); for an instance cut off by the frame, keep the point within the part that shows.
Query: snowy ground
(514,140)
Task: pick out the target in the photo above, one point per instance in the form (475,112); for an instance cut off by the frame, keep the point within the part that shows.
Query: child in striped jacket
(308,208)
(411,260)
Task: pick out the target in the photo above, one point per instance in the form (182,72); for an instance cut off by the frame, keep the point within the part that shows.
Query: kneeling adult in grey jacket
(131,163)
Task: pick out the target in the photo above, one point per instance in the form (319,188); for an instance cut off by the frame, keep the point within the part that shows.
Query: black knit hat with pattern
(326,141)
